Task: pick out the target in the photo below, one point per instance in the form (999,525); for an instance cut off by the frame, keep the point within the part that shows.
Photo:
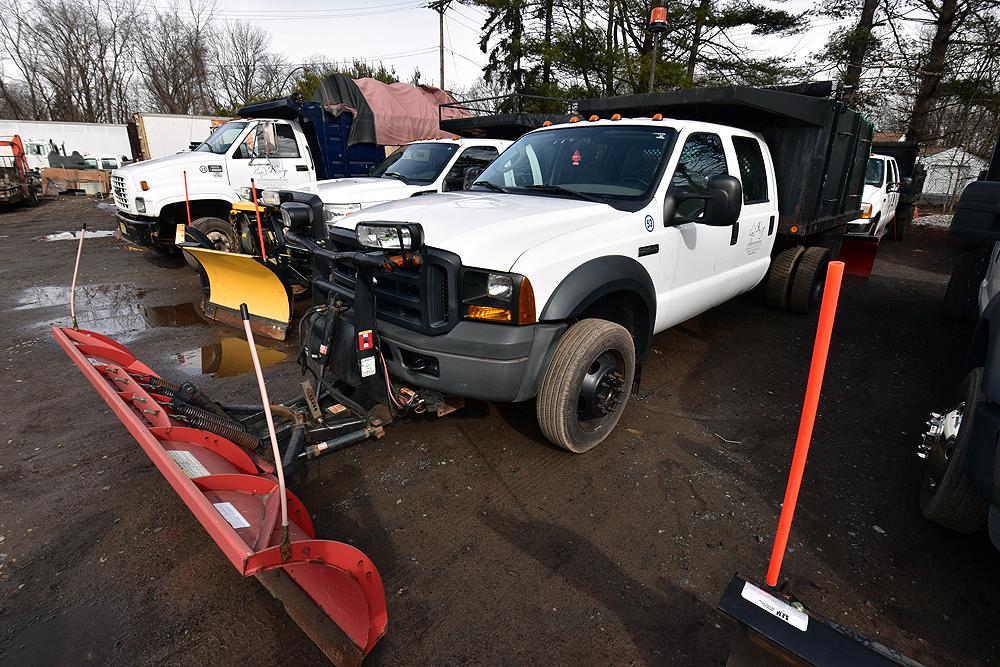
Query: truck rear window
(753,173)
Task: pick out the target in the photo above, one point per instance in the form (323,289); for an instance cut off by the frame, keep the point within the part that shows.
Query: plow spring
(331,589)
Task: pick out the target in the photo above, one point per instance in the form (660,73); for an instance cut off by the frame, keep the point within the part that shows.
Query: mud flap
(858,255)
(235,279)
(774,631)
(331,589)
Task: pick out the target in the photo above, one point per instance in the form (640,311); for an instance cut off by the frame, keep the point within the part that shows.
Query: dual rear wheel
(796,279)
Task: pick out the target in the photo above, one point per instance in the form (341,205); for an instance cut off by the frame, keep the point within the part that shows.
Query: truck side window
(287,146)
(702,157)
(753,173)
(475,156)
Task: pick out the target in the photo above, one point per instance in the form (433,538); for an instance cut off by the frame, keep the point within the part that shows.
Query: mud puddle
(111,309)
(229,357)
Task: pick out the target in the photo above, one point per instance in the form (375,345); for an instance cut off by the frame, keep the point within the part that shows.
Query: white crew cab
(417,168)
(879,199)
(570,251)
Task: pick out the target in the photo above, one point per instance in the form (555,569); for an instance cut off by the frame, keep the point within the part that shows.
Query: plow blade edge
(236,279)
(331,589)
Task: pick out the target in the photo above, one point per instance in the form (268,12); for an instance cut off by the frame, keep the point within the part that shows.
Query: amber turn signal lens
(144,185)
(525,303)
(489,313)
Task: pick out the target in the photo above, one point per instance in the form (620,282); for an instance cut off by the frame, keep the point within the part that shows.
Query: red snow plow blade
(332,590)
(858,255)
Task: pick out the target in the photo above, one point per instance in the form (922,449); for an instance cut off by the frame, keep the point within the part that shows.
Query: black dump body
(503,117)
(820,147)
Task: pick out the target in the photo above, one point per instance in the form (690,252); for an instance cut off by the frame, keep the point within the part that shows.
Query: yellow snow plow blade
(235,279)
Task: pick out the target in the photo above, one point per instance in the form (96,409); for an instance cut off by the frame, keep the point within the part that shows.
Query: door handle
(301,167)
(736,233)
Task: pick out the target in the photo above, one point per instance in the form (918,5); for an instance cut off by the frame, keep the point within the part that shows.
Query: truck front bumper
(144,232)
(861,227)
(490,362)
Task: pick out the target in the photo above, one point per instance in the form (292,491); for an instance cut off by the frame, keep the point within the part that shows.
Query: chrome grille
(121,194)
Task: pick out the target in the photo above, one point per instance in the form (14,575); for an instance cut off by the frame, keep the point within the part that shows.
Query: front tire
(947,496)
(586,385)
(220,232)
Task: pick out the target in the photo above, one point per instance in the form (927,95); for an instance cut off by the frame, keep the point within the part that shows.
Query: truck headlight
(389,236)
(245,194)
(866,211)
(140,205)
(507,298)
(500,286)
(333,212)
(270,198)
(295,215)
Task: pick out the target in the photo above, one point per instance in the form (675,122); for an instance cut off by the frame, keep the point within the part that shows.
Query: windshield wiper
(396,174)
(558,189)
(490,186)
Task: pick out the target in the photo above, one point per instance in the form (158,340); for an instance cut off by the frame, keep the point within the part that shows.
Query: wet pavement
(495,547)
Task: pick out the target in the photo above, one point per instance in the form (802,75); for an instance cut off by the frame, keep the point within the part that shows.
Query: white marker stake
(76,269)
(285,547)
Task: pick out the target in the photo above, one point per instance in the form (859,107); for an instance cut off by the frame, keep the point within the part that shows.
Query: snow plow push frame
(216,458)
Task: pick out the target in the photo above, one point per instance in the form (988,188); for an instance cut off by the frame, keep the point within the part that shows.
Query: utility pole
(440,6)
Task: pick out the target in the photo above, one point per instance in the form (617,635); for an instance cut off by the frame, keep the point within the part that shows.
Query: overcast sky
(404,34)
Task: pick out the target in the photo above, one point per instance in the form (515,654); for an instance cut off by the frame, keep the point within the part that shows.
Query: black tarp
(338,93)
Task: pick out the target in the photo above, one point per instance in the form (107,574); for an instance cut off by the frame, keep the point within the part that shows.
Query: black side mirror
(906,186)
(977,216)
(893,187)
(721,204)
(469,176)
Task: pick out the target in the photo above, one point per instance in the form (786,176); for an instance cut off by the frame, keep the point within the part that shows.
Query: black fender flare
(983,460)
(596,278)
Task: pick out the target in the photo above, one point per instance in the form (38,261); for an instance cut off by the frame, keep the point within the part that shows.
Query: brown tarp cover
(402,113)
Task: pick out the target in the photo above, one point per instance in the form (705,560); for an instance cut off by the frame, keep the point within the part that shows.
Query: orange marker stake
(824,330)
(187,201)
(260,227)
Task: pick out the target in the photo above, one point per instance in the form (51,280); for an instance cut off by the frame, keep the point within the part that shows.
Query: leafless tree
(174,58)
(244,70)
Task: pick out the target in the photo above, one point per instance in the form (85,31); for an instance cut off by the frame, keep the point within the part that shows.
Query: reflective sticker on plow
(187,462)
(794,617)
(231,515)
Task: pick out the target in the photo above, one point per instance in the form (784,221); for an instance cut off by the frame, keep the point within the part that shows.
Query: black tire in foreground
(220,232)
(947,496)
(586,385)
(779,277)
(808,281)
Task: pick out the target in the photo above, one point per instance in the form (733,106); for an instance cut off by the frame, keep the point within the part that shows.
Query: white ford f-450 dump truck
(549,278)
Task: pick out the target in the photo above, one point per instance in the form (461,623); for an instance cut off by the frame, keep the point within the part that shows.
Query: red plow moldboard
(332,590)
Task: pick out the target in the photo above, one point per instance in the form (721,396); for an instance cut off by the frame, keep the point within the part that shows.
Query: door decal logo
(756,236)
(649,223)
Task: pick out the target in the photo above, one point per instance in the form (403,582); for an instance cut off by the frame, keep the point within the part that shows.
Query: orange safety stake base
(775,628)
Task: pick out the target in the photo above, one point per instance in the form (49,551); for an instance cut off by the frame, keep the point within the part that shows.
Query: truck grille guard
(331,589)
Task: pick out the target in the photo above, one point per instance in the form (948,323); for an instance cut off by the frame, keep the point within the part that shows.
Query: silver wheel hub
(942,429)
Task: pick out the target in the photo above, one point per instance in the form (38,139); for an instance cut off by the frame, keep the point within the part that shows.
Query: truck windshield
(615,164)
(874,172)
(223,137)
(416,163)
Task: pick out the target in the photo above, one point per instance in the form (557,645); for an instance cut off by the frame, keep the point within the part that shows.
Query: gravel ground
(495,547)
(938,220)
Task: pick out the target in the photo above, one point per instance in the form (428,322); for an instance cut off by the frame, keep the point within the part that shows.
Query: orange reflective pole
(260,227)
(824,330)
(187,201)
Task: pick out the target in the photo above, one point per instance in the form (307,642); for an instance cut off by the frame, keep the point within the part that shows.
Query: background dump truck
(549,278)
(18,183)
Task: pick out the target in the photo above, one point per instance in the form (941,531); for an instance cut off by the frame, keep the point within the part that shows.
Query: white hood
(172,164)
(869,194)
(362,190)
(487,230)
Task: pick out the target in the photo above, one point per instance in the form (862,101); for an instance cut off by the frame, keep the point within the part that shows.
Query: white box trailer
(41,136)
(158,135)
